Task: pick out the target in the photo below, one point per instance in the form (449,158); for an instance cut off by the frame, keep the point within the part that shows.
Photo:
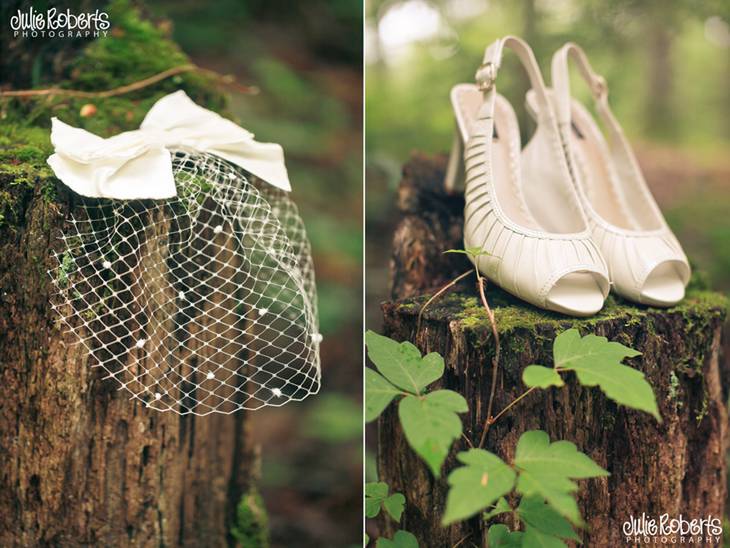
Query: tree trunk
(80,462)
(660,93)
(677,466)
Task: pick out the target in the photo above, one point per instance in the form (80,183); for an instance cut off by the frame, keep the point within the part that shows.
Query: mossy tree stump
(677,466)
(80,462)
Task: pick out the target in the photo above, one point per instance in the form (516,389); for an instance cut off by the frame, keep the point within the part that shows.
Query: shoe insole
(593,163)
(604,188)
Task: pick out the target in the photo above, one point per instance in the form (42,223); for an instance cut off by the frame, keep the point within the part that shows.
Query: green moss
(673,394)
(67,265)
(23,170)
(135,49)
(534,327)
(251,529)
(511,314)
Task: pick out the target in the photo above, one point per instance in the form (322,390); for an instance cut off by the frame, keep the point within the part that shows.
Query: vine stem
(468,441)
(495,359)
(512,403)
(461,541)
(440,292)
(121,90)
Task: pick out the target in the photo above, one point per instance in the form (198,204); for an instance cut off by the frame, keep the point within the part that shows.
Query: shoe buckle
(486,75)
(599,85)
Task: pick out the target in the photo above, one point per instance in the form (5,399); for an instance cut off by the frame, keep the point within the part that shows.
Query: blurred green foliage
(335,419)
(407,92)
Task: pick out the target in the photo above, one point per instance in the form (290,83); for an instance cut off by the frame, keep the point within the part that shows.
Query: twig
(121,90)
(495,359)
(468,441)
(512,403)
(440,292)
(461,541)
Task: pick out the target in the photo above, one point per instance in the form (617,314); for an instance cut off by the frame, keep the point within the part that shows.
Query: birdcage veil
(203,302)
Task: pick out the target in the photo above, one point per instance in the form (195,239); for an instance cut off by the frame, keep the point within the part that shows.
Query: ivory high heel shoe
(645,261)
(530,223)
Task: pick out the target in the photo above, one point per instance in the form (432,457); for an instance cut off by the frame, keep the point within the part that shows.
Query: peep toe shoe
(521,207)
(645,261)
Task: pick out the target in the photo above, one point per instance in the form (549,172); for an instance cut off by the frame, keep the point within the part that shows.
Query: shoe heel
(454,181)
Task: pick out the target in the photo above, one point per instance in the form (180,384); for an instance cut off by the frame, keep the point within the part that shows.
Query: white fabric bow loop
(137,164)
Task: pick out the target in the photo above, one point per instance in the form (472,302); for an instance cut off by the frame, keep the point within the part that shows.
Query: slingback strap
(561,88)
(596,83)
(486,74)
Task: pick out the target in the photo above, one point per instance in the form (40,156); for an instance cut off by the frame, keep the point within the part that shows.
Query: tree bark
(677,466)
(82,463)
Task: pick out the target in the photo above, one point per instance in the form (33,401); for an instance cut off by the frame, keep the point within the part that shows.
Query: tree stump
(675,467)
(80,462)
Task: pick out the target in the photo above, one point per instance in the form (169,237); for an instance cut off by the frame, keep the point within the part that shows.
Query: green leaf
(547,470)
(535,513)
(541,377)
(501,507)
(376,496)
(597,362)
(375,493)
(534,538)
(394,505)
(402,364)
(499,536)
(378,394)
(475,486)
(431,424)
(401,539)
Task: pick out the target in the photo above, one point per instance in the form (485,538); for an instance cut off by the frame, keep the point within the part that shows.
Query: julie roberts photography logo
(55,23)
(648,530)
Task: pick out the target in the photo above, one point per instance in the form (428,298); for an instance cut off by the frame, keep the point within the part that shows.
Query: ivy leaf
(401,539)
(534,538)
(431,424)
(597,362)
(375,493)
(501,507)
(376,496)
(547,470)
(538,515)
(402,364)
(475,486)
(538,376)
(394,505)
(499,536)
(378,394)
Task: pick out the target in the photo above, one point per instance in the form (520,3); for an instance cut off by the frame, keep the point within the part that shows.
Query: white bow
(137,164)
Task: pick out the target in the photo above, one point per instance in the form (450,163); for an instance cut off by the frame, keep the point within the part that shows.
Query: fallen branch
(440,292)
(226,79)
